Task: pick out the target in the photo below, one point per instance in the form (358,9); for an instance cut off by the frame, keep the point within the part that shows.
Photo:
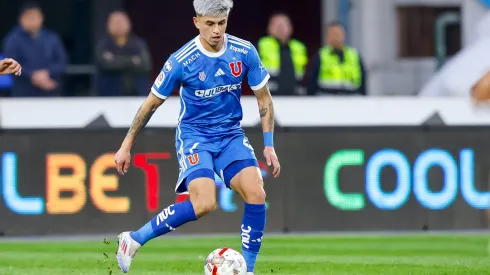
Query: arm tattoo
(139,122)
(271,117)
(263,111)
(266,108)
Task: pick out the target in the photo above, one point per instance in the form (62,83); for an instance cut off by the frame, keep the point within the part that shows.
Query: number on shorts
(247,143)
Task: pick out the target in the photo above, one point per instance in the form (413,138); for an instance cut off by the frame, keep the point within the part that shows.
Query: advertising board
(64,182)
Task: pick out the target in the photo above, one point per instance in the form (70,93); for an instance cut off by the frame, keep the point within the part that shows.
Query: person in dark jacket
(41,53)
(123,60)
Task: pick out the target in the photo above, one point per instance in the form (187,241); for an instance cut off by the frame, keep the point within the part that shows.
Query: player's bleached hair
(213,8)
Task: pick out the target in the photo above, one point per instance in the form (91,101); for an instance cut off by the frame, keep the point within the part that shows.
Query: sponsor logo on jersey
(168,66)
(160,79)
(219,72)
(217,90)
(236,68)
(192,58)
(238,50)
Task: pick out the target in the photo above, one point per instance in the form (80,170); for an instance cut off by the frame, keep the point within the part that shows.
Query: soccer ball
(225,261)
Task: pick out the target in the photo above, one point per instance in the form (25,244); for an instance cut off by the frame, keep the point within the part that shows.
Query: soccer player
(10,66)
(209,71)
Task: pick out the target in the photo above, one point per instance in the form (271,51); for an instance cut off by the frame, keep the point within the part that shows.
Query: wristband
(269,139)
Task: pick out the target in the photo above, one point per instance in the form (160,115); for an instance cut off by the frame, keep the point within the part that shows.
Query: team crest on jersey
(202,76)
(193,159)
(236,68)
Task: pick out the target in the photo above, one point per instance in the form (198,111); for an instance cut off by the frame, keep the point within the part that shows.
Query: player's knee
(255,194)
(203,206)
(202,191)
(249,184)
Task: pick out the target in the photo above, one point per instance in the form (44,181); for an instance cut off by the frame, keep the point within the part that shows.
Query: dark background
(297,198)
(165,25)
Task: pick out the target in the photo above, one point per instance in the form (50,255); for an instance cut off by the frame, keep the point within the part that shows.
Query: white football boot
(127,248)
(250,273)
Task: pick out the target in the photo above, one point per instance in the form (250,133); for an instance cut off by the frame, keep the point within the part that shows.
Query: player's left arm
(257,79)
(266,111)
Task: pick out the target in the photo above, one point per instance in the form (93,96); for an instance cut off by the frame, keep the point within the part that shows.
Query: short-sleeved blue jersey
(210,86)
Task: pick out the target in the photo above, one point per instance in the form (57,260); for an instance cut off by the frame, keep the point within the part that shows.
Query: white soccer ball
(225,261)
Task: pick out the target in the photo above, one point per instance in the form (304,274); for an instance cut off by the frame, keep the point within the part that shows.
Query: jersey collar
(212,54)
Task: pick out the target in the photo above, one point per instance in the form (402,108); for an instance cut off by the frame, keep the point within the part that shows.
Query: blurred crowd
(124,62)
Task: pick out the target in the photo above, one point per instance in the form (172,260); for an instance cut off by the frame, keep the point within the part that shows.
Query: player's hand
(122,159)
(271,159)
(10,66)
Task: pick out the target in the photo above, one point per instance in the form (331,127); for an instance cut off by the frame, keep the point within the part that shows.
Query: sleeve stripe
(189,52)
(157,94)
(239,43)
(186,48)
(262,84)
(239,39)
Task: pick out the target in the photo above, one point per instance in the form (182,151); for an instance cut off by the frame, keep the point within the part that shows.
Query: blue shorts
(225,158)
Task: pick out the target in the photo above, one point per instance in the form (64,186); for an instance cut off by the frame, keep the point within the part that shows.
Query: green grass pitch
(336,255)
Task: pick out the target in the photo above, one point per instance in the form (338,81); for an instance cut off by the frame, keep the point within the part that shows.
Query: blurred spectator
(123,60)
(284,58)
(41,53)
(337,69)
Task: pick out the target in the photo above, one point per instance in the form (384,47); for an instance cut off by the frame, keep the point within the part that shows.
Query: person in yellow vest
(337,69)
(284,58)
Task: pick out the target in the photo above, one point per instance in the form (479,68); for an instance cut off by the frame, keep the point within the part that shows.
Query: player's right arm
(169,78)
(10,66)
(145,112)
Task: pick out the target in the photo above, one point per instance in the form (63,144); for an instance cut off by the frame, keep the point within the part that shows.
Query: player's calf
(249,184)
(166,221)
(202,192)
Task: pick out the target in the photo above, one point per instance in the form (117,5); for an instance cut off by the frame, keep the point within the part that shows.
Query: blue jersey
(210,86)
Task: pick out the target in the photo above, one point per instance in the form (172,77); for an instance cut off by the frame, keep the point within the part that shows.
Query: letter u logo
(236,68)
(193,159)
